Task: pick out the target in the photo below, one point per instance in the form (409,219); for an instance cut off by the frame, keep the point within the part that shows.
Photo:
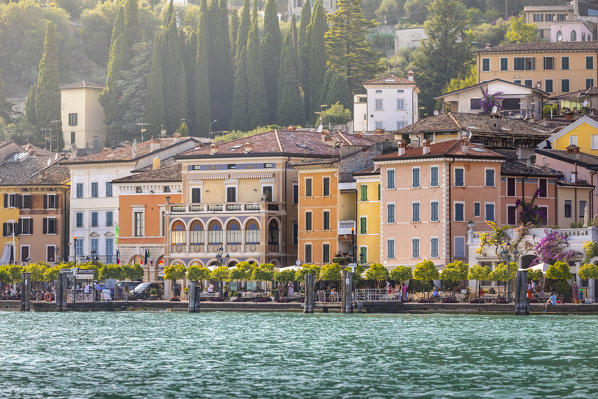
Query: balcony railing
(253,207)
(346,226)
(236,248)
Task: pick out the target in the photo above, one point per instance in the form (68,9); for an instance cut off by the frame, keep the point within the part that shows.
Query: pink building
(429,196)
(571,31)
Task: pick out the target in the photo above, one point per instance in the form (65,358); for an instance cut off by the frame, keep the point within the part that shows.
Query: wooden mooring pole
(310,297)
(26,292)
(346,292)
(522,306)
(194,296)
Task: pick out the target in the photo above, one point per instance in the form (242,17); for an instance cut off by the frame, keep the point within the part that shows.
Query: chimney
(291,128)
(177,137)
(401,147)
(213,149)
(154,145)
(487,45)
(134,148)
(410,76)
(426,146)
(573,149)
(519,154)
(156,163)
(465,146)
(248,148)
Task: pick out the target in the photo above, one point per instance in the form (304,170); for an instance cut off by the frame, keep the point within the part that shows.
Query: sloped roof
(450,148)
(282,142)
(518,168)
(584,119)
(33,170)
(582,159)
(541,47)
(169,171)
(372,170)
(487,82)
(125,153)
(82,85)
(475,123)
(389,80)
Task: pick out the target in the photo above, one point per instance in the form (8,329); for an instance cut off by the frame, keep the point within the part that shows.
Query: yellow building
(554,67)
(9,217)
(368,215)
(582,133)
(82,116)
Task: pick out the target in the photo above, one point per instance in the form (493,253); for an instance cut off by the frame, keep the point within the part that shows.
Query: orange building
(142,200)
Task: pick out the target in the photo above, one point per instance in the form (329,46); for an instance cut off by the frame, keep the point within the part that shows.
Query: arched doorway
(252,235)
(233,236)
(178,236)
(196,236)
(214,236)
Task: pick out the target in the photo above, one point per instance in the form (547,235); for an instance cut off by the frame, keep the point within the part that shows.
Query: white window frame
(134,228)
(455,176)
(437,247)
(293,194)
(28,250)
(437,176)
(419,252)
(394,213)
(507,215)
(594,145)
(486,177)
(226,187)
(28,234)
(479,213)
(394,252)
(573,139)
(464,246)
(366,225)
(48,226)
(419,177)
(46,254)
(271,185)
(507,187)
(400,104)
(489,64)
(437,211)
(198,187)
(486,211)
(378,101)
(419,212)
(394,179)
(455,203)
(55,201)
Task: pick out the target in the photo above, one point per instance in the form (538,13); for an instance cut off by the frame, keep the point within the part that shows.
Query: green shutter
(364,192)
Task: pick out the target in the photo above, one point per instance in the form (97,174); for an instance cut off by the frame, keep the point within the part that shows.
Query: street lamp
(353,245)
(506,253)
(222,260)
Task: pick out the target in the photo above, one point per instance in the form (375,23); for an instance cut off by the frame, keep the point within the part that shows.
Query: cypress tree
(220,69)
(117,62)
(190,54)
(240,118)
(30,115)
(5,106)
(349,51)
(271,55)
(155,108)
(173,69)
(303,50)
(335,89)
(257,107)
(132,22)
(290,110)
(244,27)
(201,114)
(234,31)
(317,58)
(47,96)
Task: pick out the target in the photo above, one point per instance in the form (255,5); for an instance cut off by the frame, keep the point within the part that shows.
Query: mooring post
(26,292)
(58,295)
(346,292)
(522,306)
(310,283)
(194,296)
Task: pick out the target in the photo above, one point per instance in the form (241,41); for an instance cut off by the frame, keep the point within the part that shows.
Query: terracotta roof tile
(448,148)
(169,171)
(296,143)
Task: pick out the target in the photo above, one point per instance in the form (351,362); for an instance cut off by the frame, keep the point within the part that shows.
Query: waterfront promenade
(326,307)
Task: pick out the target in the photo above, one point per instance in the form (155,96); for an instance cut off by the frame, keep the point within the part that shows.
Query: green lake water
(272,355)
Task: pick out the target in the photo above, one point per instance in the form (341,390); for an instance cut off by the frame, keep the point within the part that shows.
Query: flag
(147,255)
(117,257)
(116,231)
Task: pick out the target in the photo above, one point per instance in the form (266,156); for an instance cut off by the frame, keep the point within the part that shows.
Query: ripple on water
(266,355)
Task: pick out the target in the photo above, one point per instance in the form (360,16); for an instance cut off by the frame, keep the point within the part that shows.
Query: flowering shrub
(552,248)
(490,100)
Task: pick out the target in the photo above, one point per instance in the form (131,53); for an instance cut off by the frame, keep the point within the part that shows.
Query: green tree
(47,94)
(478,273)
(335,89)
(284,276)
(330,272)
(234,31)
(198,273)
(376,272)
(588,271)
(5,106)
(156,107)
(534,275)
(220,66)
(201,114)
(502,273)
(290,103)
(30,115)
(37,271)
(221,273)
(175,272)
(189,44)
(263,272)
(470,79)
(445,53)
(559,271)
(303,51)
(114,272)
(316,68)
(349,51)
(336,115)
(307,269)
(256,106)
(133,272)
(240,118)
(401,274)
(521,32)
(455,272)
(271,48)
(243,32)
(425,272)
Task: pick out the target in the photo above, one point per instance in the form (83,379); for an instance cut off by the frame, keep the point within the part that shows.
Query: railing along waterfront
(376,295)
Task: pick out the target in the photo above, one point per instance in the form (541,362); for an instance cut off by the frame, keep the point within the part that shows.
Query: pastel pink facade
(518,187)
(428,198)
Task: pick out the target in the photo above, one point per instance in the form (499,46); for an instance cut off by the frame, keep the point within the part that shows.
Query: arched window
(559,36)
(178,233)
(252,232)
(273,232)
(215,233)
(196,234)
(573,36)
(233,232)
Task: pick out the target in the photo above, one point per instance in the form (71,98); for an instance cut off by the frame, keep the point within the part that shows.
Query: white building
(82,116)
(391,103)
(409,38)
(295,7)
(94,203)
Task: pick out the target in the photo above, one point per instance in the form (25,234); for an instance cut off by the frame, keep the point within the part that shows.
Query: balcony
(210,249)
(346,227)
(234,207)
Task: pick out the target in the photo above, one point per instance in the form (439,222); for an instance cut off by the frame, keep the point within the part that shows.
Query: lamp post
(506,253)
(75,249)
(353,246)
(222,260)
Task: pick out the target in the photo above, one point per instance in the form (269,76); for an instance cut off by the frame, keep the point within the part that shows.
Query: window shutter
(20,225)
(19,201)
(45,224)
(4,228)
(45,201)
(27,201)
(6,200)
(30,226)
(17,227)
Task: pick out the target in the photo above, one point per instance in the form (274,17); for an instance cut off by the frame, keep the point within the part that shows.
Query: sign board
(84,274)
(106,295)
(353,266)
(110,283)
